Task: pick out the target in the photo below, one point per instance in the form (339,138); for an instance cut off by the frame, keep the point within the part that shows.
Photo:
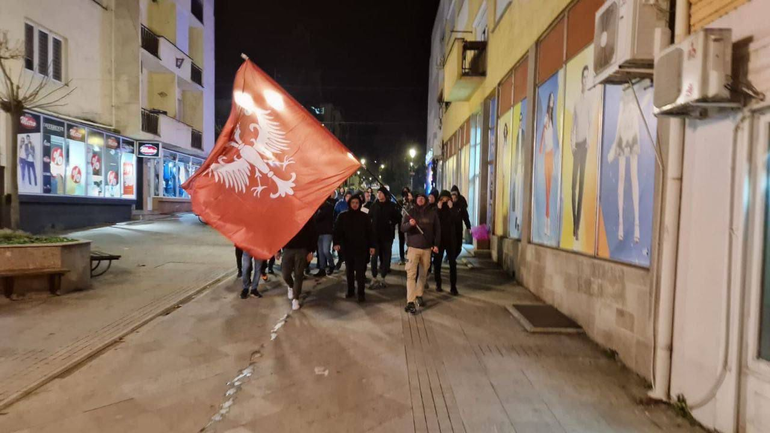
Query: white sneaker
(295,304)
(291,293)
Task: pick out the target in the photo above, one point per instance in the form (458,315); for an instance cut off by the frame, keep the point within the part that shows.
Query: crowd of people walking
(361,228)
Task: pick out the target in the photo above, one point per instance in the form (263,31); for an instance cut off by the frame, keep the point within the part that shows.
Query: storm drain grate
(541,318)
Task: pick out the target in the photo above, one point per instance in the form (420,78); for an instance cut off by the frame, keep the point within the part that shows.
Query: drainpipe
(669,237)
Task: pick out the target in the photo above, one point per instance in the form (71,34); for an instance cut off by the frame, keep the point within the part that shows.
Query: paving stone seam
(91,346)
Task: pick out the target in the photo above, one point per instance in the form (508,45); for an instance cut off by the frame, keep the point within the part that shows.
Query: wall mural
(516,212)
(547,159)
(504,136)
(580,173)
(628,175)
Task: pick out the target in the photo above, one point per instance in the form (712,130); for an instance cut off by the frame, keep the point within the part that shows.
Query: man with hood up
(353,235)
(423,235)
(385,216)
(324,220)
(450,218)
(462,204)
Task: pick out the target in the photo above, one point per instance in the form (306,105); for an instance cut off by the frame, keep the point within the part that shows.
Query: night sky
(368,58)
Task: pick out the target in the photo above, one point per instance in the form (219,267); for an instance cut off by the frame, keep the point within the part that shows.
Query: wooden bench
(54,278)
(97,257)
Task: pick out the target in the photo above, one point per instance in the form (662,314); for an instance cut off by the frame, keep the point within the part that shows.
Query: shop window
(170,175)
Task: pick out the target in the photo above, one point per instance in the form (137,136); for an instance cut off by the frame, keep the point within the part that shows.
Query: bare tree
(25,91)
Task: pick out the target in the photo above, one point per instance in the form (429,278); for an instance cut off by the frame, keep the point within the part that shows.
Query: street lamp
(382,166)
(363,161)
(412,153)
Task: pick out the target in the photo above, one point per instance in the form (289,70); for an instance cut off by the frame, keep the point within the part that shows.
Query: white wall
(87,31)
(710,319)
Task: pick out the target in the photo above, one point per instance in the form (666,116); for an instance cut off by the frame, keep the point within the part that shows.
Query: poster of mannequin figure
(30,170)
(547,162)
(516,213)
(580,180)
(504,132)
(628,174)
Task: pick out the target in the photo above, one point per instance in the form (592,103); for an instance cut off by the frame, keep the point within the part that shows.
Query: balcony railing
(196,139)
(150,122)
(150,42)
(474,58)
(196,74)
(197,9)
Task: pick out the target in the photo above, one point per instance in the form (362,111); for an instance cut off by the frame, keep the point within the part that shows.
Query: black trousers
(578,184)
(267,264)
(382,254)
(437,259)
(239,258)
(401,243)
(355,268)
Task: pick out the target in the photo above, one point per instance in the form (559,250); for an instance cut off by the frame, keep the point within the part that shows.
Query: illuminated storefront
(72,175)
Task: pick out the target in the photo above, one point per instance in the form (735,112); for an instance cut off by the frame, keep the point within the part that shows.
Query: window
(49,59)
(480,25)
(29,47)
(764,326)
(500,7)
(462,17)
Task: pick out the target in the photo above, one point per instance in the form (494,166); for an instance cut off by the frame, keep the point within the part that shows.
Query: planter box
(75,256)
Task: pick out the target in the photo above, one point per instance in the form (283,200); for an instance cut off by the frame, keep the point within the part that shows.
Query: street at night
(407,216)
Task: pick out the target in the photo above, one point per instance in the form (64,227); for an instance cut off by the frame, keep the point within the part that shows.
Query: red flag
(272,167)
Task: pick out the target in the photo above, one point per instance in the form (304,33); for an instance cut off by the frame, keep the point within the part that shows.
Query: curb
(183,296)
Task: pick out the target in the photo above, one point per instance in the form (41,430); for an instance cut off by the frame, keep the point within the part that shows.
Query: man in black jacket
(450,218)
(462,205)
(324,222)
(297,253)
(385,216)
(423,236)
(353,235)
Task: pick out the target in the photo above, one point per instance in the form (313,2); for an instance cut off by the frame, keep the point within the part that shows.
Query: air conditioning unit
(693,75)
(624,39)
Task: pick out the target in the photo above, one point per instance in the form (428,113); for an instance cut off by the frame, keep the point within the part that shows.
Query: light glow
(274,99)
(412,153)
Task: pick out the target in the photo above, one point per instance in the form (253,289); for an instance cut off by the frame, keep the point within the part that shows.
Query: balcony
(196,7)
(161,55)
(464,69)
(196,140)
(150,122)
(197,75)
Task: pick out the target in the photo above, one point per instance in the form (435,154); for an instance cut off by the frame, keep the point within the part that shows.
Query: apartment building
(139,116)
(655,243)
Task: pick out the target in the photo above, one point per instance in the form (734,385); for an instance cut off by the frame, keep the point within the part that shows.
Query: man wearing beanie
(354,236)
(385,216)
(449,216)
(420,246)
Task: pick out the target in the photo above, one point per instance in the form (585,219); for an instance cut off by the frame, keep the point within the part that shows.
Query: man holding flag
(271,168)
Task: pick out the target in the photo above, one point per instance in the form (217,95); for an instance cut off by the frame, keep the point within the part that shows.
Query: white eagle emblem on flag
(261,153)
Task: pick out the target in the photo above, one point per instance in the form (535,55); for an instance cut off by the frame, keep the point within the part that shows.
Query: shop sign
(148,150)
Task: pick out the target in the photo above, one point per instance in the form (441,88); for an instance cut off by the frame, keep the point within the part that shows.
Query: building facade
(139,116)
(650,232)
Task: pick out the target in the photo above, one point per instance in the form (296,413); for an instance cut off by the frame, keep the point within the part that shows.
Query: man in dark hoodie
(297,253)
(449,216)
(353,235)
(385,215)
(462,204)
(324,222)
(423,235)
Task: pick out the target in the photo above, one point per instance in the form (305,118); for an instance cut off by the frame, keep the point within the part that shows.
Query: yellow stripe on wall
(704,12)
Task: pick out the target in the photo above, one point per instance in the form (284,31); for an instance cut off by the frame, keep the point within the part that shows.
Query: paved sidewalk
(163,263)
(221,364)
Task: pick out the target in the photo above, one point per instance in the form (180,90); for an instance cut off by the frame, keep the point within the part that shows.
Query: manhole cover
(543,319)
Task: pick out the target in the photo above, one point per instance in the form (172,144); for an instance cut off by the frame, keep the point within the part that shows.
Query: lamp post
(412,154)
